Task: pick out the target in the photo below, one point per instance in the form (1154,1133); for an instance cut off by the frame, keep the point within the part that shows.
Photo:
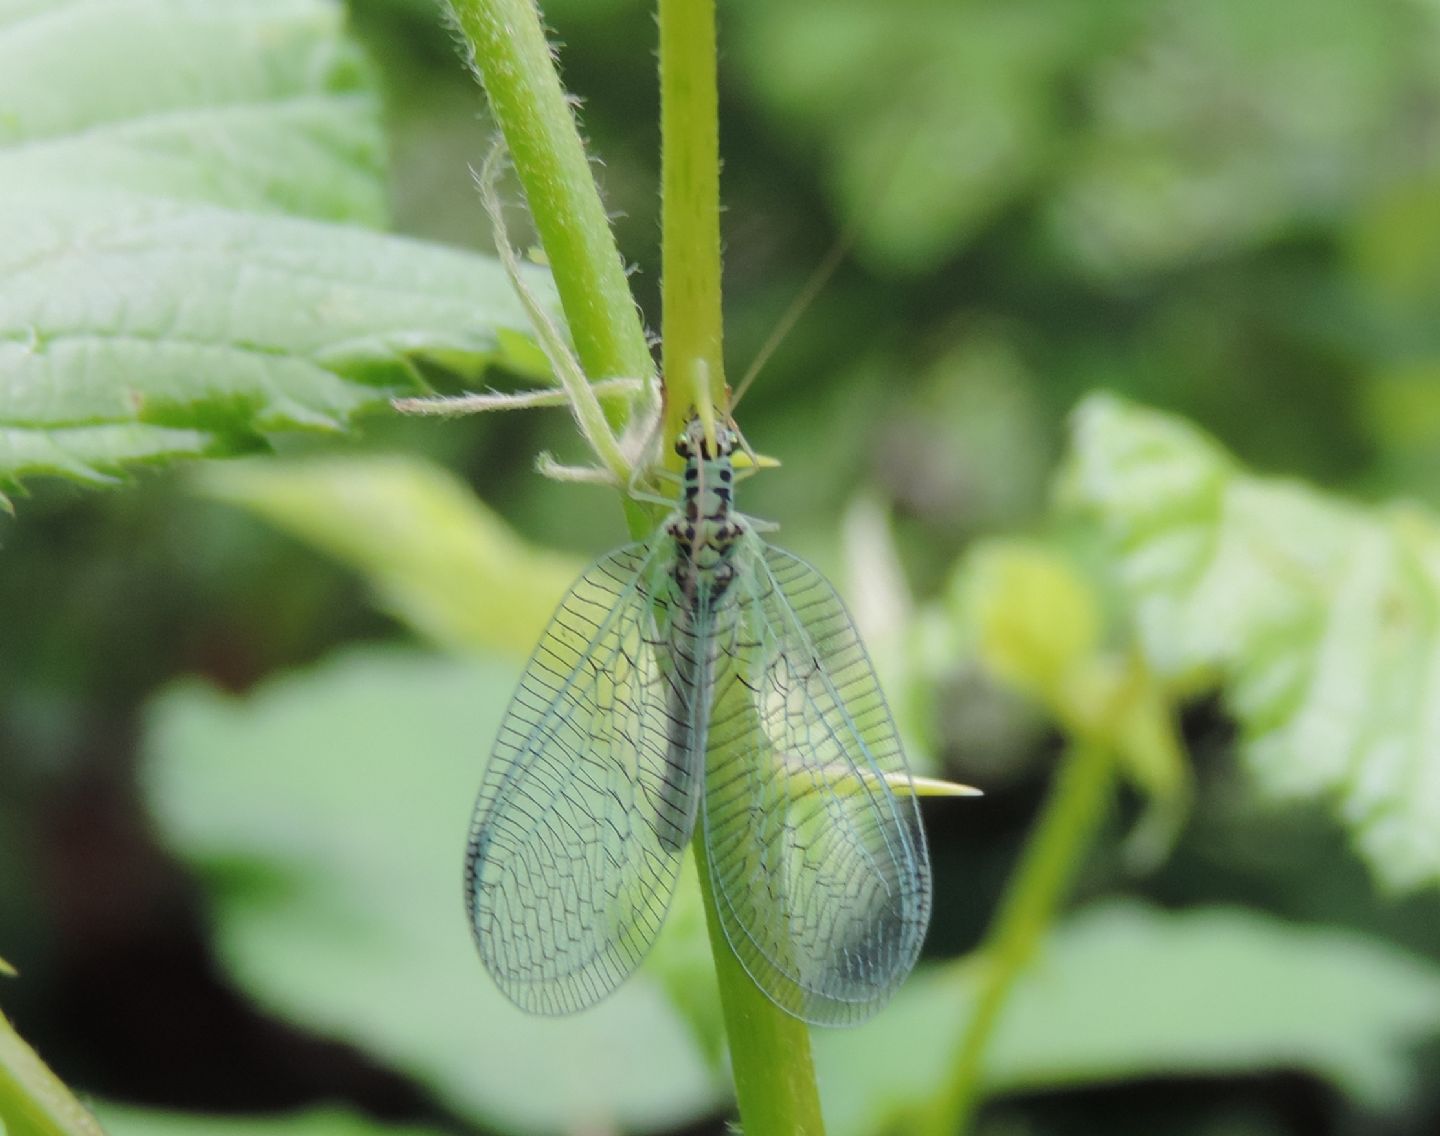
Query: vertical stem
(769,1050)
(690,223)
(510,55)
(1062,834)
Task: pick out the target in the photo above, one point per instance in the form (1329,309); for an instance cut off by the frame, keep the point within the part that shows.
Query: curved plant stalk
(1060,839)
(1040,631)
(33,1101)
(512,59)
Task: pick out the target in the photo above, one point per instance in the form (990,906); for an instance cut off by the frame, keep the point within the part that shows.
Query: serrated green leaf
(254,104)
(434,555)
(123,1120)
(135,328)
(1319,619)
(155,302)
(328,812)
(1125,991)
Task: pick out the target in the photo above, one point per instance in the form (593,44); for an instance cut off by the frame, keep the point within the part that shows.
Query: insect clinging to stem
(702,679)
(700,684)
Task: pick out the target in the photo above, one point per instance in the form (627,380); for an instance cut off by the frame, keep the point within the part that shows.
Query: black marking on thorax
(704,529)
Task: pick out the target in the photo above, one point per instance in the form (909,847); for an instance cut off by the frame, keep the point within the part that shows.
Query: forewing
(589,797)
(820,871)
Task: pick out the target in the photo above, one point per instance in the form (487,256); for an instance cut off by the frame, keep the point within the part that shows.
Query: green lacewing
(700,680)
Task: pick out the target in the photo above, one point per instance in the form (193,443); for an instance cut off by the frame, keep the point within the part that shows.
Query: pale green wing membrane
(590,794)
(820,871)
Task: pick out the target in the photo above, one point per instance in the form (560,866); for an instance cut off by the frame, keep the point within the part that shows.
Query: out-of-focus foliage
(1126,990)
(323,812)
(121,1121)
(1035,623)
(154,300)
(1321,620)
(932,118)
(1224,210)
(293,803)
(435,556)
(1156,133)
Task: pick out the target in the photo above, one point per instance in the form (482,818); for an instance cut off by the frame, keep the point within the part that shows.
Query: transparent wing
(590,795)
(820,871)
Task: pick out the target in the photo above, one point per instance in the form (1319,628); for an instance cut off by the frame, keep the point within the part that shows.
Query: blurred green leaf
(33,1101)
(1214,126)
(328,812)
(1402,410)
(1036,620)
(154,303)
(253,104)
(1149,135)
(932,117)
(1393,268)
(435,556)
(1393,245)
(1038,628)
(1319,619)
(1126,991)
(123,1120)
(973,446)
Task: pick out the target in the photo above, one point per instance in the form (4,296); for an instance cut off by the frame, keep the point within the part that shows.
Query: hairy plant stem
(512,59)
(693,367)
(769,1050)
(510,56)
(1061,836)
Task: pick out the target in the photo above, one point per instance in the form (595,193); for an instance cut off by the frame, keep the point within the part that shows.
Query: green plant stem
(693,364)
(33,1101)
(769,1050)
(512,59)
(1061,836)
